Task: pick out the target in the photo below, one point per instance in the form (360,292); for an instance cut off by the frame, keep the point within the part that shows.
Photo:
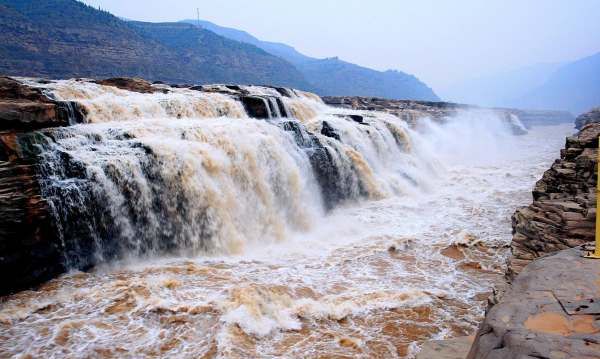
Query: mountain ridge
(67,38)
(575,86)
(332,76)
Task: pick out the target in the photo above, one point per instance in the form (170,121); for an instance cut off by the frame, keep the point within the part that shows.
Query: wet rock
(530,320)
(357,118)
(29,250)
(563,213)
(336,186)
(593,116)
(25,108)
(130,84)
(256,107)
(329,131)
(408,110)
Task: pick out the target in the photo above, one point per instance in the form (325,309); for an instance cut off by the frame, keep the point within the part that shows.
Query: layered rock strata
(27,256)
(563,211)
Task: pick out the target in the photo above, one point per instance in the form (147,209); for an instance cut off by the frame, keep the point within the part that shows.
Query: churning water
(317,232)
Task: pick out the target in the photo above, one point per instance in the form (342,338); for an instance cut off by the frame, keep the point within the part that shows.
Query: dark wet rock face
(329,131)
(592,116)
(336,186)
(563,211)
(29,250)
(256,107)
(28,255)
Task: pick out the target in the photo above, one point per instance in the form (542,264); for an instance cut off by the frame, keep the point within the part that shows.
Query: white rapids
(227,246)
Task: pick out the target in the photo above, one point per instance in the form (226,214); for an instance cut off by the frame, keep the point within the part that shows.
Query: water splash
(298,238)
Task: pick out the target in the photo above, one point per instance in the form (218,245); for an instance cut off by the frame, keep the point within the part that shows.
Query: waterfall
(212,169)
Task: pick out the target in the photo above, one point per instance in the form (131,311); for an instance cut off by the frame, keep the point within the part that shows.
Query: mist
(442,43)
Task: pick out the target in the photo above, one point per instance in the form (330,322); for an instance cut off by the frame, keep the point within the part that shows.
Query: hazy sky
(439,41)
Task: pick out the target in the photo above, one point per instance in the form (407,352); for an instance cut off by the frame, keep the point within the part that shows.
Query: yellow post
(596,253)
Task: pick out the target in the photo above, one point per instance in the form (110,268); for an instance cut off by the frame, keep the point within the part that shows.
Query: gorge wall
(563,211)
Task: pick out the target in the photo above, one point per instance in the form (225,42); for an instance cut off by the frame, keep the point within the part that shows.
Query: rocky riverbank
(550,311)
(549,308)
(563,211)
(411,111)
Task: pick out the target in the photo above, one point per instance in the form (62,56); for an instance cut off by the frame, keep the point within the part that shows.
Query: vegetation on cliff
(66,38)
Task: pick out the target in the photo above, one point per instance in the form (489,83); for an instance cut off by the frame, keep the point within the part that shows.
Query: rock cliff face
(563,211)
(28,253)
(587,118)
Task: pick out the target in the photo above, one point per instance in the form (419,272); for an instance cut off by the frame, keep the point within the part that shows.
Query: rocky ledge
(563,211)
(411,110)
(551,310)
(26,108)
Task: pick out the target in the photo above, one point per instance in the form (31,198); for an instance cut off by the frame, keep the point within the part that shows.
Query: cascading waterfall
(182,171)
(267,223)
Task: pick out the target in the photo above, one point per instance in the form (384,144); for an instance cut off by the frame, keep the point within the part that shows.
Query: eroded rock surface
(531,322)
(563,211)
(26,108)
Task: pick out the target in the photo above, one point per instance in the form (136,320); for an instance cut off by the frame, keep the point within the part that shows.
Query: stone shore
(551,310)
(563,212)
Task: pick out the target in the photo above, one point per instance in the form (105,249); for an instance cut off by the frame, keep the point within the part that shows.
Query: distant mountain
(275,48)
(334,77)
(214,58)
(574,87)
(66,38)
(502,89)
